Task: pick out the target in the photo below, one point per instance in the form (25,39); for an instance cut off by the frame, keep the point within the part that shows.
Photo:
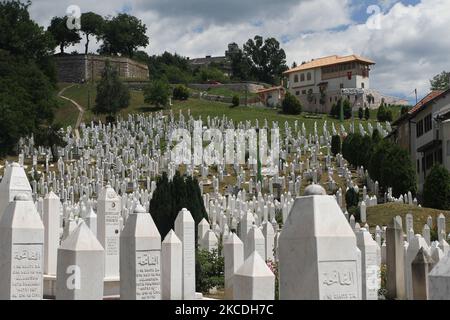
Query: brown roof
(328,61)
(429,97)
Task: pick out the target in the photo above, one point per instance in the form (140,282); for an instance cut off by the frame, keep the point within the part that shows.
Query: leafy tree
(440,81)
(21,36)
(123,34)
(392,166)
(384,114)
(63,36)
(209,270)
(436,190)
(51,137)
(240,65)
(404,110)
(112,94)
(376,138)
(157,93)
(91,25)
(27,99)
(360,113)
(336,109)
(172,196)
(267,59)
(206,74)
(291,105)
(335,145)
(235,101)
(370,99)
(367,114)
(180,92)
(351,198)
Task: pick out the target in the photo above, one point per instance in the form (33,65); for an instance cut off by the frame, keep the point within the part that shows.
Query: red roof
(428,98)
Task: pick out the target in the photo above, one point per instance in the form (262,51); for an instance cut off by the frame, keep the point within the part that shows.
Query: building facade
(318,83)
(425,133)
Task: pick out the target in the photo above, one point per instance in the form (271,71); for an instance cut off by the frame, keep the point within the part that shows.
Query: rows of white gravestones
(91,212)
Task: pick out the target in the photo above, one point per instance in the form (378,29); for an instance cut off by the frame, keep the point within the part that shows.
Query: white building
(318,83)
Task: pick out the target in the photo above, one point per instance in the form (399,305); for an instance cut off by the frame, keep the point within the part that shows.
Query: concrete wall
(79,68)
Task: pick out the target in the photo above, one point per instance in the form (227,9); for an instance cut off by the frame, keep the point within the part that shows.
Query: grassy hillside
(382,214)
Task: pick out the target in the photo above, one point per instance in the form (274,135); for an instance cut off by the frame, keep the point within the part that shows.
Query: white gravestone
(234,258)
(51,224)
(371,280)
(14,182)
(185,230)
(439,280)
(91,221)
(108,229)
(254,280)
(255,242)
(171,267)
(269,238)
(317,251)
(140,258)
(203,227)
(80,266)
(21,251)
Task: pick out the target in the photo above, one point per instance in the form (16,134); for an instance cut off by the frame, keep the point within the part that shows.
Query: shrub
(157,93)
(367,114)
(351,198)
(235,101)
(180,93)
(209,270)
(360,113)
(335,145)
(291,105)
(436,190)
(384,114)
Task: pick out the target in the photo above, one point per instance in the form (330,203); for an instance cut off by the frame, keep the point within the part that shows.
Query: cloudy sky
(408,39)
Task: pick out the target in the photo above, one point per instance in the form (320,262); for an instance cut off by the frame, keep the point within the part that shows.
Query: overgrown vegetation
(209,270)
(436,190)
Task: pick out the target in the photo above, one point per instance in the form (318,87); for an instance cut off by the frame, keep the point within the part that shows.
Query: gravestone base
(111,289)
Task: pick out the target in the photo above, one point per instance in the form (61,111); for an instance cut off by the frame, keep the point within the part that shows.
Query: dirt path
(79,107)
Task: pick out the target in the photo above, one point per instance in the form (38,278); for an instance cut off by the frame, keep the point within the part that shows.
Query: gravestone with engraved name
(21,251)
(108,229)
(80,266)
(185,231)
(317,251)
(370,267)
(140,258)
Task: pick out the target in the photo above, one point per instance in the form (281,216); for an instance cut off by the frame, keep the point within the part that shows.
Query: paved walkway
(80,108)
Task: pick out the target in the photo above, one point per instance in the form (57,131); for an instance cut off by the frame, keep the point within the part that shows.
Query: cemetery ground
(84,94)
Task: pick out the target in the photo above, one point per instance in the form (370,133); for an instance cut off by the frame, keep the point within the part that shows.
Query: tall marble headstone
(439,280)
(233,249)
(317,251)
(21,251)
(108,229)
(51,223)
(185,230)
(370,267)
(80,270)
(171,267)
(395,260)
(420,266)
(140,258)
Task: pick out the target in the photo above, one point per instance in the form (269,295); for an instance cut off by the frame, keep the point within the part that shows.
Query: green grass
(226,92)
(382,215)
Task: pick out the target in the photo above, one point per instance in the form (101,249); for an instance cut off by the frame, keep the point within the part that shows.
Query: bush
(360,113)
(436,190)
(335,145)
(367,114)
(351,198)
(384,114)
(180,93)
(336,109)
(235,101)
(157,93)
(291,105)
(209,270)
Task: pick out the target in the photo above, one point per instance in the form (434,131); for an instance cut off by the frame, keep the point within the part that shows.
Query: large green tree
(267,59)
(436,190)
(91,25)
(63,36)
(157,93)
(112,94)
(123,34)
(440,81)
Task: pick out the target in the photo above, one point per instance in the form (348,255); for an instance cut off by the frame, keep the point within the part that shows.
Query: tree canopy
(436,190)
(92,24)
(63,36)
(440,81)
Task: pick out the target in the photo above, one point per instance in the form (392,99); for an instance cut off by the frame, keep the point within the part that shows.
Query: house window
(331,99)
(427,123)
(304,92)
(302,77)
(362,85)
(308,76)
(296,78)
(419,129)
(297,93)
(342,86)
(335,98)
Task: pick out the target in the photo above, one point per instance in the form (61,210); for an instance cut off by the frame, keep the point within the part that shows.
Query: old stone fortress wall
(80,68)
